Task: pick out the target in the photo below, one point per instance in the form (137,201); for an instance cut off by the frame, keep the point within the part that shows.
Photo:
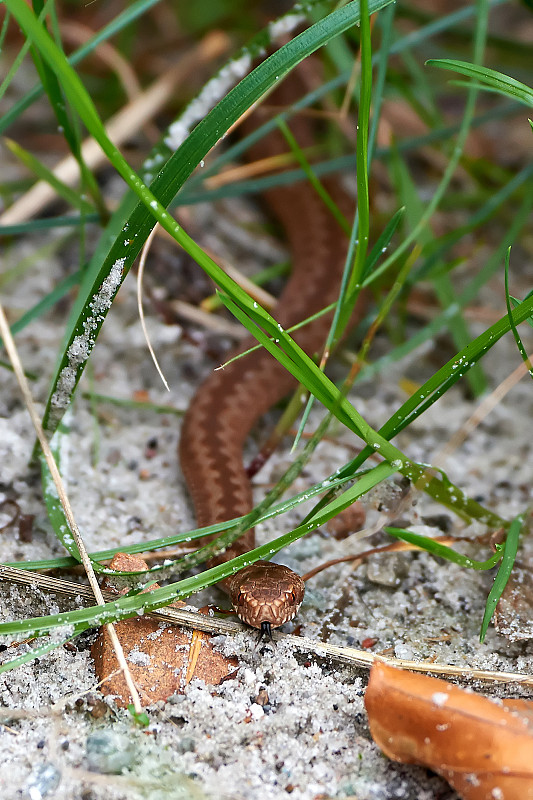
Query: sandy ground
(311,739)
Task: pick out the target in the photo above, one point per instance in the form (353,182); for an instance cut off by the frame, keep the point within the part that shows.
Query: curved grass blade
(129,234)
(500,582)
(516,302)
(116,25)
(429,393)
(441,551)
(331,482)
(518,340)
(272,336)
(71,196)
(38,652)
(17,61)
(488,79)
(128,606)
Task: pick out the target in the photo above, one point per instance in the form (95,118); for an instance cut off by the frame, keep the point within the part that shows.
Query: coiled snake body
(229,401)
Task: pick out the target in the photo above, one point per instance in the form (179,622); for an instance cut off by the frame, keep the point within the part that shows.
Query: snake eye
(241,597)
(291,597)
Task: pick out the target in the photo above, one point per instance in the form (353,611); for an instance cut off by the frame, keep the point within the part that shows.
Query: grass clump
(370,60)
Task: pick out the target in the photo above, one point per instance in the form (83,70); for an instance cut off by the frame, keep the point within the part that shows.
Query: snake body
(230,401)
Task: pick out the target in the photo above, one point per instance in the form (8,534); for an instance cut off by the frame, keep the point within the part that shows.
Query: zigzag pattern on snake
(230,401)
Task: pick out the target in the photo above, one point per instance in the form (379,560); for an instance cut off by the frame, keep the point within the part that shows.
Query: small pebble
(262,698)
(186,745)
(109,752)
(387,570)
(42,781)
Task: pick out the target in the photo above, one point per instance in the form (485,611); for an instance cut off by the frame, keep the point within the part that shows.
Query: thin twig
(142,261)
(358,558)
(11,349)
(210,322)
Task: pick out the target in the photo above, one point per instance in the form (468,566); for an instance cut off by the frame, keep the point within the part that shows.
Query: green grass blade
(375,254)
(107,279)
(500,582)
(351,291)
(382,243)
(3,31)
(71,196)
(516,302)
(17,61)
(488,79)
(479,43)
(37,652)
(287,352)
(56,515)
(117,24)
(156,598)
(45,223)
(331,482)
(193,193)
(312,178)
(362,159)
(441,551)
(433,389)
(411,40)
(52,88)
(518,340)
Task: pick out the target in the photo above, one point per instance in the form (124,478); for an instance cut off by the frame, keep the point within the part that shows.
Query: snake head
(266,594)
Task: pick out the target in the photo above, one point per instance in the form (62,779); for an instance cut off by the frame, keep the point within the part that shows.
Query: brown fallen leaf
(160,656)
(483,748)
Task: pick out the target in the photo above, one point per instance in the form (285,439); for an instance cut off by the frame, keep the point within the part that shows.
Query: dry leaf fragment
(158,655)
(484,749)
(349,521)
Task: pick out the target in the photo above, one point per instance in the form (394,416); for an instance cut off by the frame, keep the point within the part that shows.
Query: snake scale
(230,401)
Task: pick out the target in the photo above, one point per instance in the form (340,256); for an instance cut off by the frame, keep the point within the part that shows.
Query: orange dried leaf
(484,749)
(158,654)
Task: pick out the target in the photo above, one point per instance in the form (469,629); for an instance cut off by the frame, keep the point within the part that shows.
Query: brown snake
(229,401)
